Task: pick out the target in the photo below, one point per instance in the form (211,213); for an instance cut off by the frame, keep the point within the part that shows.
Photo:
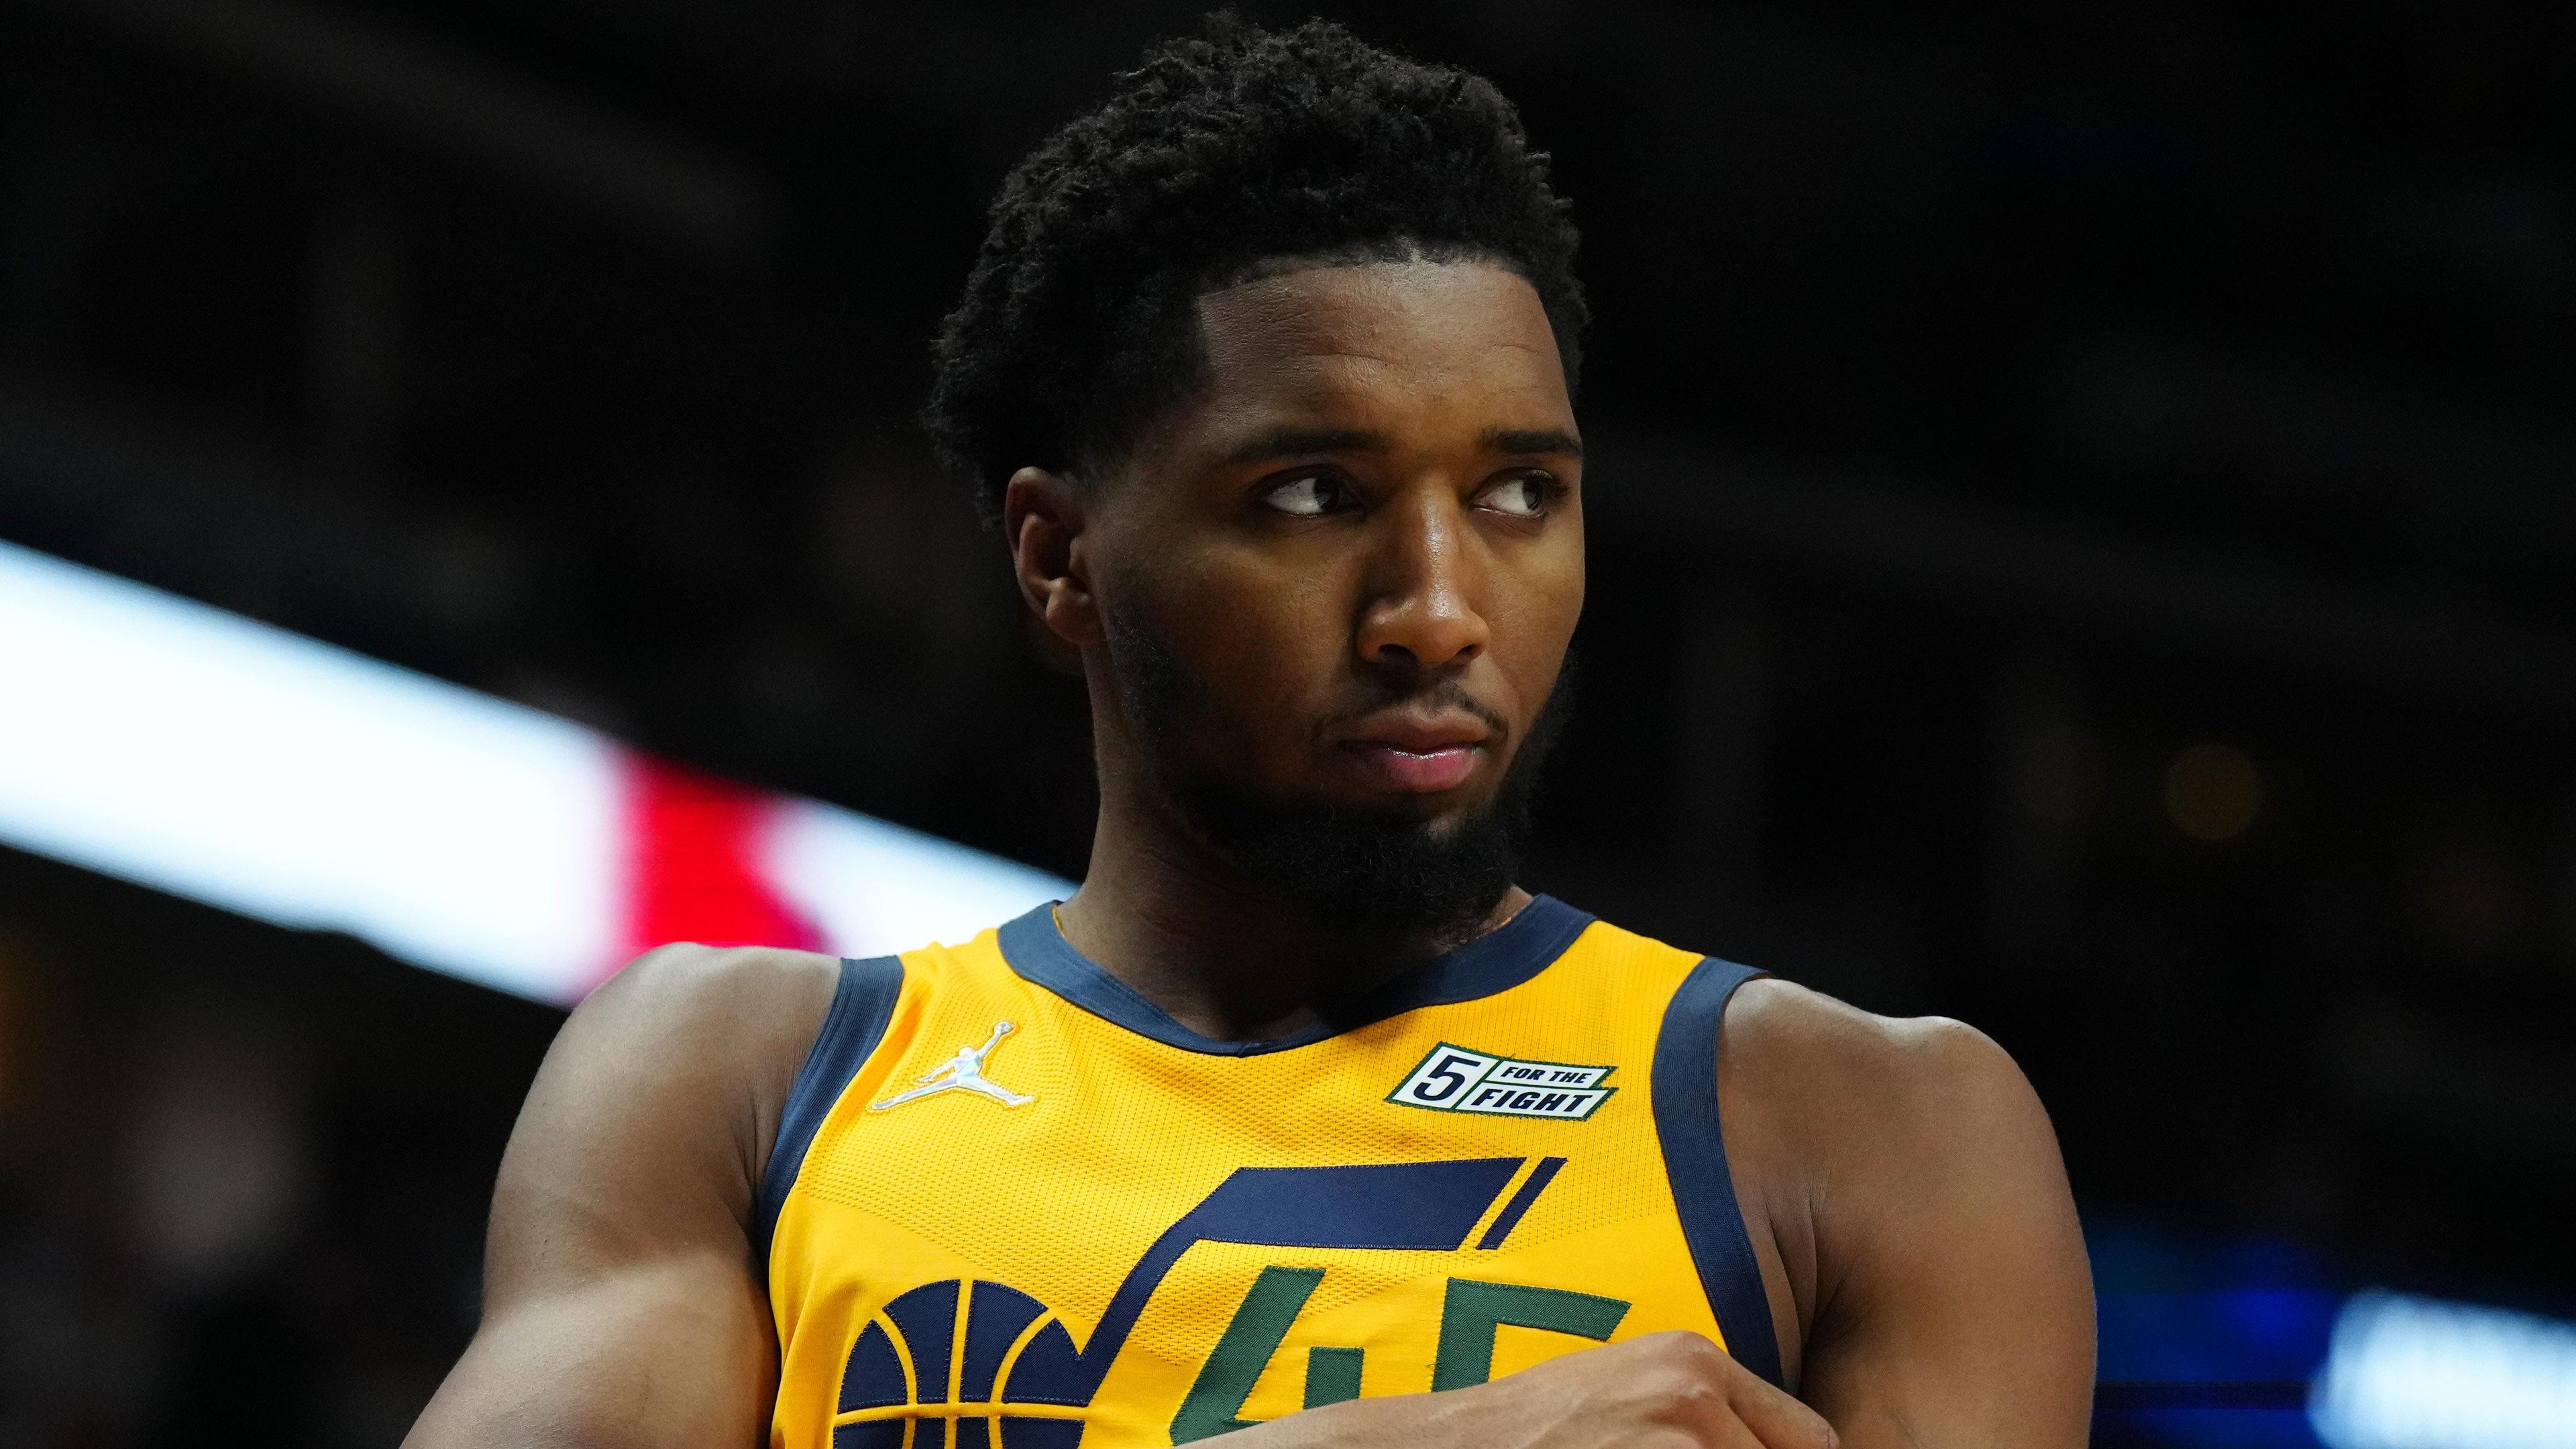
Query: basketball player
(1299,1123)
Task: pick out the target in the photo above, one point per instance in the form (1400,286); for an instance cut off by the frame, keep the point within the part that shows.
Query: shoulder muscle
(1911,1085)
(621,1308)
(1912,1167)
(666,1084)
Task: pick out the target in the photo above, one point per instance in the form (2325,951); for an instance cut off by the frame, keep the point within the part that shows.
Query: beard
(1349,869)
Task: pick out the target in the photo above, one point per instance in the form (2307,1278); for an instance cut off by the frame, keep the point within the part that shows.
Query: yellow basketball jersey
(1013,1204)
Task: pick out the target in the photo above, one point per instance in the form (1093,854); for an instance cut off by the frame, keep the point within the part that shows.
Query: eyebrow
(1288,441)
(1284,442)
(1554,441)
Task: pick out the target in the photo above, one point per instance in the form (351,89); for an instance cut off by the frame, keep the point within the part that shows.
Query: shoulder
(724,1025)
(1836,1066)
(1798,1053)
(1909,1180)
(645,1131)
(1863,1137)
(689,1045)
(1824,1096)
(739,998)
(1868,1146)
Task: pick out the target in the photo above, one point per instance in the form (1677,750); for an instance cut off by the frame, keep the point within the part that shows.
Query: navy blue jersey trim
(862,1005)
(1518,1208)
(1498,960)
(1685,1092)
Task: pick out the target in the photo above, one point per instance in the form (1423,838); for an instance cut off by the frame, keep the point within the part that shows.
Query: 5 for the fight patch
(1455,1079)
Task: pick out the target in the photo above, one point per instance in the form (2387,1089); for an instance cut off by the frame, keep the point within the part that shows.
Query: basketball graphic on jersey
(913,1363)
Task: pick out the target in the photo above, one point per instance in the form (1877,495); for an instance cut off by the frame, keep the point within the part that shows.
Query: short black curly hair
(1217,157)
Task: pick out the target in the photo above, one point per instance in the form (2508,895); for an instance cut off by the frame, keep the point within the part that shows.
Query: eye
(1522,495)
(1308,495)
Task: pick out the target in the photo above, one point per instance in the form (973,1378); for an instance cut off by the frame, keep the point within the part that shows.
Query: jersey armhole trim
(862,1006)
(1694,1147)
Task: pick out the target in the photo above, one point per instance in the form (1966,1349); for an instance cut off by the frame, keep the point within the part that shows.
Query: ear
(1043,519)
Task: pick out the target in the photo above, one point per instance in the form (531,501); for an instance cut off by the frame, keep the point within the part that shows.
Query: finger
(1776,1419)
(1733,1435)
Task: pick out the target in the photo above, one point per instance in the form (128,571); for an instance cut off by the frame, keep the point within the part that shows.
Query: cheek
(1265,642)
(1533,621)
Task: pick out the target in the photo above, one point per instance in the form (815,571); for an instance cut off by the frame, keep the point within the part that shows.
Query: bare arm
(1940,1266)
(1666,1390)
(621,1305)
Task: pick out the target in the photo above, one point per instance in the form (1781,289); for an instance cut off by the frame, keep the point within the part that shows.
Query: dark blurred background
(2082,535)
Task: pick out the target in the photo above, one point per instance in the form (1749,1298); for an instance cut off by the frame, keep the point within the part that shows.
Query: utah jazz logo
(912,1363)
(990,1360)
(963,1072)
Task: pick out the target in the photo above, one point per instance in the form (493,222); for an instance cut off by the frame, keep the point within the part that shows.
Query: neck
(1225,956)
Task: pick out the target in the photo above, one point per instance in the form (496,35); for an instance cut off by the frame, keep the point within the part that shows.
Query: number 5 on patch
(1443,1075)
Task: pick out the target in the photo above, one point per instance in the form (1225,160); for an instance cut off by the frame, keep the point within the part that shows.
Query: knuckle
(1695,1398)
(1688,1353)
(1686,1395)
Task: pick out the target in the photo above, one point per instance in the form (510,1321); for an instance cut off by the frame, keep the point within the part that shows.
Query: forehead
(1449,337)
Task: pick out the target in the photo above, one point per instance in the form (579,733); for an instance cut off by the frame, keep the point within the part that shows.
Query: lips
(1419,755)
(1420,772)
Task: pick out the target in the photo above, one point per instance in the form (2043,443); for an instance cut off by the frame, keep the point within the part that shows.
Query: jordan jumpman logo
(963,1072)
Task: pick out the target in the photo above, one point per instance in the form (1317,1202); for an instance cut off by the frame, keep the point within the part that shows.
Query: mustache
(1438,693)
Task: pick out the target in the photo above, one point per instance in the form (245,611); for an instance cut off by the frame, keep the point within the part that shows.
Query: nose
(1420,609)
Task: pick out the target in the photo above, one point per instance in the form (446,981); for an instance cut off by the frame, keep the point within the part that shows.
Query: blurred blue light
(2412,1373)
(2253,1344)
(2227,1336)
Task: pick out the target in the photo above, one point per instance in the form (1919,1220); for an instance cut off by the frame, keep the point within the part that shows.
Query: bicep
(622,1306)
(674,1351)
(1964,1311)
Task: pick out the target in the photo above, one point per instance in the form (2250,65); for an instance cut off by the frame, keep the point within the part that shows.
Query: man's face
(1338,587)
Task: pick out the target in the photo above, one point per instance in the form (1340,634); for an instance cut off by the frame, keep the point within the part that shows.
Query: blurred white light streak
(920,888)
(192,750)
(2413,1373)
(166,742)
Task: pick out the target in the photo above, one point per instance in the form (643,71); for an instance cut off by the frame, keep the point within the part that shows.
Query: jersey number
(1469,1314)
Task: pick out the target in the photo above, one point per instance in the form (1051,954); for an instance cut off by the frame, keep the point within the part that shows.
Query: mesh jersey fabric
(1038,1216)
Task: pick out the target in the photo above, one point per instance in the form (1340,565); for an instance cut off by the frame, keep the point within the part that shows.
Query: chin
(1443,813)
(1444,817)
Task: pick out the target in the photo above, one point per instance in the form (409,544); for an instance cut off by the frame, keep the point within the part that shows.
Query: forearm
(1404,1421)
(629,1363)
(1671,1388)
